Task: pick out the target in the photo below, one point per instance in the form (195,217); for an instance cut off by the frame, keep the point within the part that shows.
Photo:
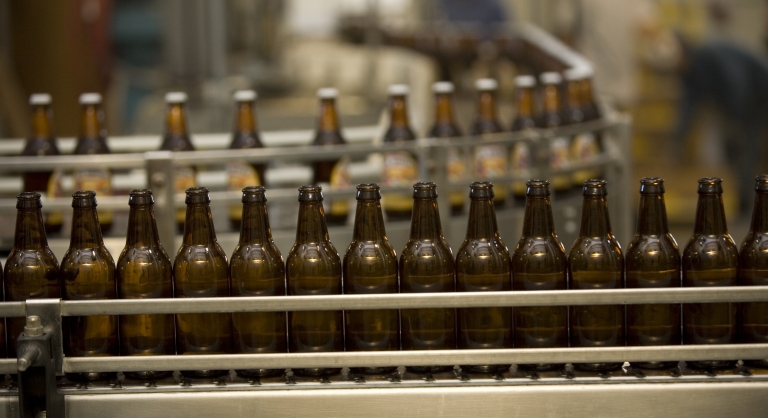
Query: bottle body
(539,263)
(483,265)
(596,262)
(144,271)
(200,270)
(313,267)
(257,269)
(710,259)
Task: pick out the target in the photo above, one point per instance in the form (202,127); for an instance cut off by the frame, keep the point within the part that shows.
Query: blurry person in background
(734,82)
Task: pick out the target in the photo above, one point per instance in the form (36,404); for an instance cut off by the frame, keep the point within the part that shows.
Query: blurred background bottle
(332,174)
(446,127)
(400,167)
(176,138)
(551,118)
(581,107)
(490,161)
(521,159)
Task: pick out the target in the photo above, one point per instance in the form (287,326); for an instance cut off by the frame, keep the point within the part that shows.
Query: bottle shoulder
(538,255)
(483,255)
(91,258)
(652,251)
(399,133)
(596,253)
(22,262)
(710,252)
(313,257)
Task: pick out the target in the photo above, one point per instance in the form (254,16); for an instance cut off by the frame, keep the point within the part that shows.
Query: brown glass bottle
(521,157)
(653,260)
(710,259)
(753,271)
(580,107)
(539,263)
(400,167)
(244,136)
(257,269)
(200,270)
(427,266)
(445,127)
(93,140)
(313,267)
(551,118)
(176,138)
(483,265)
(144,271)
(596,262)
(88,273)
(32,270)
(490,161)
(334,173)
(41,142)
(589,105)
(370,266)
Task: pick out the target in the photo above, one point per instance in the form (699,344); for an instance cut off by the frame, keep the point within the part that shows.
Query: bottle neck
(312,227)
(538,220)
(525,103)
(198,225)
(710,215)
(443,109)
(398,112)
(86,232)
(574,95)
(652,217)
(91,122)
(41,123)
(255,224)
(551,99)
(142,227)
(482,220)
(760,213)
(594,217)
(369,223)
(328,120)
(586,92)
(245,123)
(425,225)
(175,120)
(486,106)
(30,233)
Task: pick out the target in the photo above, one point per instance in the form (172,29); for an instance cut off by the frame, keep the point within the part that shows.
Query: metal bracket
(49,311)
(38,395)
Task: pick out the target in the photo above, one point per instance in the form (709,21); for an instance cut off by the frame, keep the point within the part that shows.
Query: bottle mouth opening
(368,191)
(310,193)
(761,183)
(481,190)
(425,190)
(83,199)
(140,197)
(710,185)
(197,195)
(537,188)
(652,185)
(254,194)
(28,200)
(595,187)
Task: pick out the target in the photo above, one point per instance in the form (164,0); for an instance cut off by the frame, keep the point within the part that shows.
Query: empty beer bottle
(176,138)
(370,266)
(596,262)
(580,107)
(653,260)
(483,265)
(490,160)
(551,118)
(539,263)
(93,140)
(521,157)
(400,167)
(257,269)
(710,259)
(427,266)
(331,174)
(200,270)
(445,127)
(41,142)
(245,136)
(753,271)
(32,270)
(313,267)
(88,273)
(144,271)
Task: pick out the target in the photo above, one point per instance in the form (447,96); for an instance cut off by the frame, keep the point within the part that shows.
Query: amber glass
(93,140)
(144,271)
(370,266)
(245,135)
(580,107)
(589,106)
(710,259)
(257,269)
(753,271)
(490,160)
(550,118)
(176,138)
(520,160)
(483,265)
(539,263)
(313,267)
(446,127)
(31,271)
(41,142)
(200,271)
(400,167)
(596,262)
(333,173)
(653,260)
(427,266)
(88,273)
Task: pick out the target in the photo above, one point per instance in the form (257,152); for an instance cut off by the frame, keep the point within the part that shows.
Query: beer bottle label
(339,180)
(520,165)
(400,169)
(457,171)
(100,181)
(491,163)
(584,150)
(559,158)
(55,189)
(239,175)
(183,179)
